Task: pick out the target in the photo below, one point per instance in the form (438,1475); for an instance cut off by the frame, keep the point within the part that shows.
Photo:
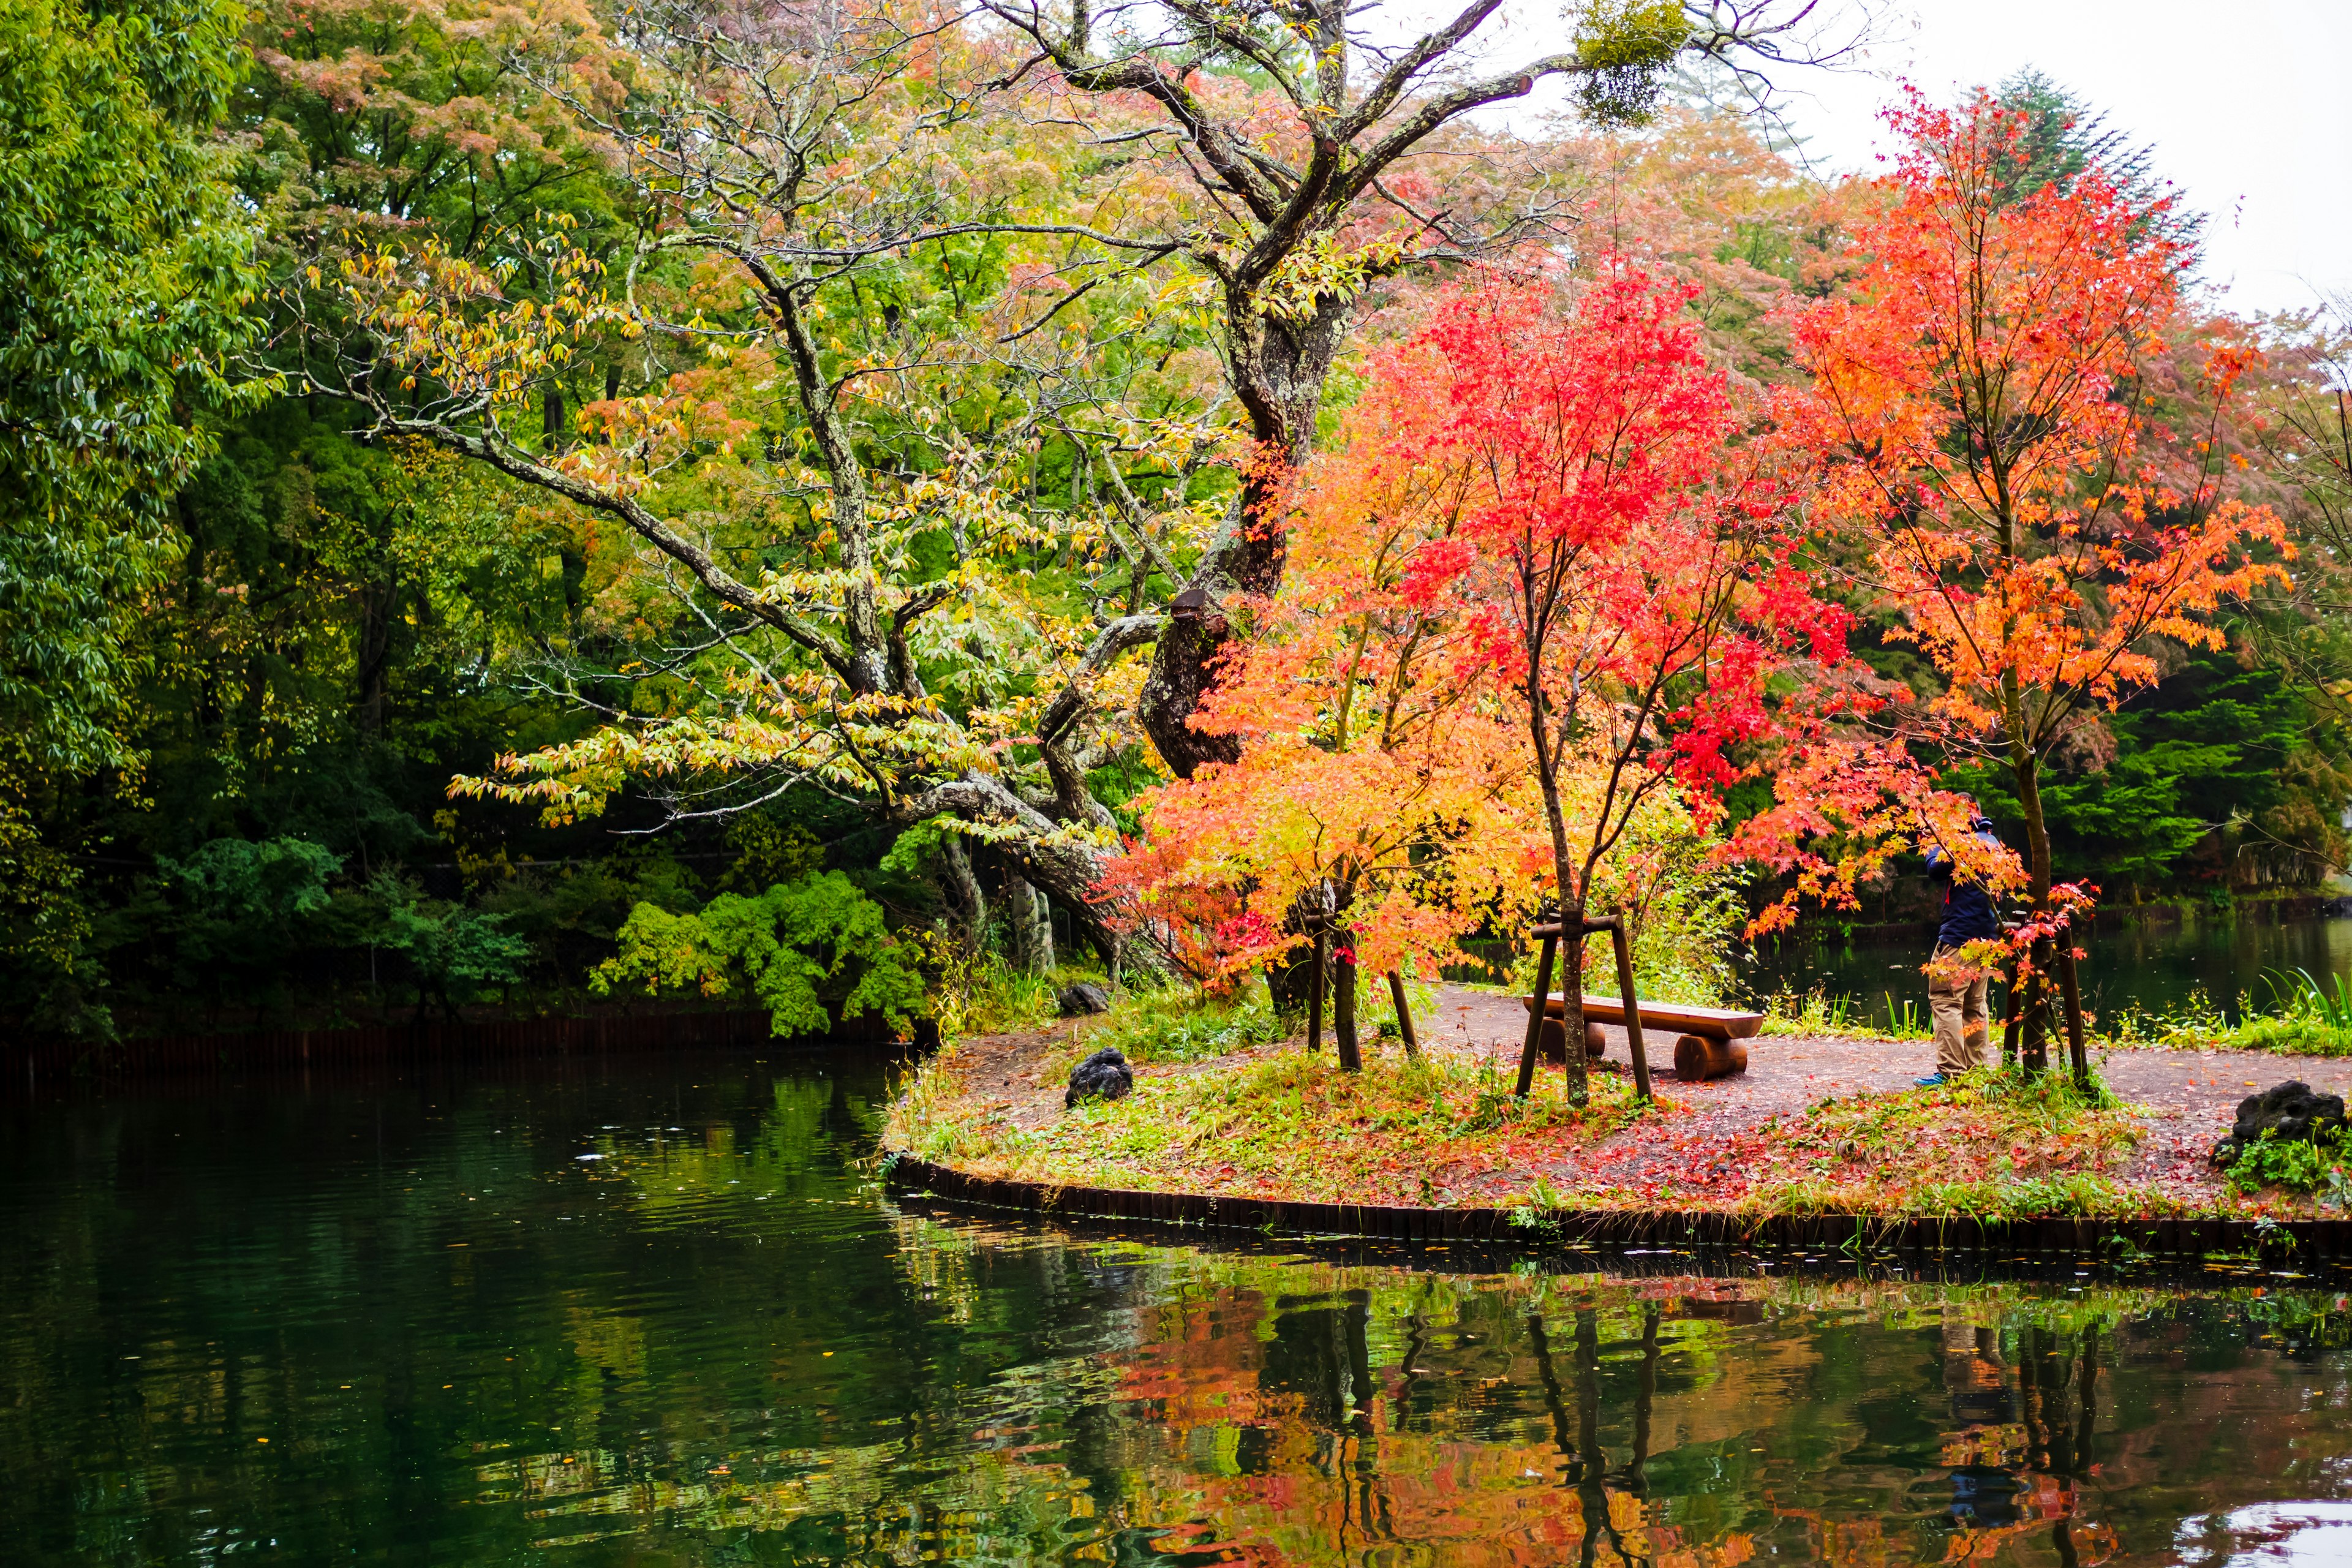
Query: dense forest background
(258,614)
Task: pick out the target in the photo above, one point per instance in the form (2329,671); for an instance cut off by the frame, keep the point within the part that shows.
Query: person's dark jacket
(1969,914)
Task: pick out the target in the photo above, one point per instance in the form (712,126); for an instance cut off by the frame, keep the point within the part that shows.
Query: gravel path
(2191,1096)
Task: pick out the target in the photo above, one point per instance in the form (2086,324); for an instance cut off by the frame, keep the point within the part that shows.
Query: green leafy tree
(126,281)
(242,910)
(455,953)
(816,951)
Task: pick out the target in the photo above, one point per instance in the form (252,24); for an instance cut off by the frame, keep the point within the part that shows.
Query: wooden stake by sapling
(1315,993)
(2072,991)
(1633,1007)
(1404,1015)
(1343,1008)
(1536,1014)
(1549,935)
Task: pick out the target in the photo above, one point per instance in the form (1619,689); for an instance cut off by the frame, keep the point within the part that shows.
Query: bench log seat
(1713,1023)
(1708,1045)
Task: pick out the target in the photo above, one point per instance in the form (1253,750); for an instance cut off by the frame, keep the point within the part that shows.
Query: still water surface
(2226,963)
(653,1311)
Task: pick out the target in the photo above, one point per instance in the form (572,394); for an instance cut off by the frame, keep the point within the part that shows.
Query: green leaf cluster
(2322,1165)
(2216,759)
(126,285)
(1624,47)
(816,951)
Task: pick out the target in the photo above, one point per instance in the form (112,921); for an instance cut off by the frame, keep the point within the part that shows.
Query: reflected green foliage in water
(656,1311)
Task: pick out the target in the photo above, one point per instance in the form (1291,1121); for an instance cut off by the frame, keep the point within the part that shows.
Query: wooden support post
(1404,1014)
(2013,1020)
(2071,990)
(1315,991)
(1535,1016)
(1632,1005)
(1343,1010)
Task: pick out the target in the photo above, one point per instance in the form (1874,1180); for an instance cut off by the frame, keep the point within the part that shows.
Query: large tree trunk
(379,602)
(1279,368)
(963,893)
(1046,857)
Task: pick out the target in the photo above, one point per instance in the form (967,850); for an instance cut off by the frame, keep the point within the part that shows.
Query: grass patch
(1818,1015)
(1993,1143)
(1276,1122)
(2304,1021)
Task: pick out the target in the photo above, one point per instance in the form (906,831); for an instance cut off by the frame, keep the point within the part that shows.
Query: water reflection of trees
(714,1342)
(1299,1413)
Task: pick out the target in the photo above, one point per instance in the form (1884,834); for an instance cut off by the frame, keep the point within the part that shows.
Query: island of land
(1817,1124)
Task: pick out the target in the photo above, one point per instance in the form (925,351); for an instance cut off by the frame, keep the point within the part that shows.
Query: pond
(2223,960)
(654,1310)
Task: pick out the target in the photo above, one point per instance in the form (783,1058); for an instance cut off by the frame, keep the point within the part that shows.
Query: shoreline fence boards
(2302,1240)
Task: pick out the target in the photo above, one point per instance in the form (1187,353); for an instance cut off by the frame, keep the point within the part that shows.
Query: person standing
(1956,994)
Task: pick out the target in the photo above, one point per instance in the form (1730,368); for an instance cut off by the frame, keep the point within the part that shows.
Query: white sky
(2248,104)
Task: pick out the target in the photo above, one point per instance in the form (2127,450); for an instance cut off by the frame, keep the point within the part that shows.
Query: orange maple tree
(1978,408)
(1376,792)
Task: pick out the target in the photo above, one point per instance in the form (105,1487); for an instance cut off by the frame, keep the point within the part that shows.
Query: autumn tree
(1325,155)
(1379,801)
(1629,563)
(2033,524)
(866,346)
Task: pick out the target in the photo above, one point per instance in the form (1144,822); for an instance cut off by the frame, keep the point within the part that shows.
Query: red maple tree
(1629,560)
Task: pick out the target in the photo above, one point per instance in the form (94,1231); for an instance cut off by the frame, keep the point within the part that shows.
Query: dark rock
(1079,1000)
(2289,1113)
(1102,1075)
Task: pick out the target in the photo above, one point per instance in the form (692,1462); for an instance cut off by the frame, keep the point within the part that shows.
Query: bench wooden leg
(1554,1040)
(1632,1005)
(1536,1017)
(1698,1059)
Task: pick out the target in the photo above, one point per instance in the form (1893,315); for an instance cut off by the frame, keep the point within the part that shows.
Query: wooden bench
(1708,1045)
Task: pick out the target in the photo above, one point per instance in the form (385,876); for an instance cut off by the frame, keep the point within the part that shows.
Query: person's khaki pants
(1960,1009)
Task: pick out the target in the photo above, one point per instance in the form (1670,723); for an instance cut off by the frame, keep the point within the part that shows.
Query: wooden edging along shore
(2053,1236)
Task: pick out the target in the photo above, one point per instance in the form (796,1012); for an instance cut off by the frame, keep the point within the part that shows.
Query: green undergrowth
(983,995)
(2320,1166)
(1819,1014)
(1178,1024)
(2304,1019)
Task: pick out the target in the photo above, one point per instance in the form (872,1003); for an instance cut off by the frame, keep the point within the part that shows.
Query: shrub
(2298,1164)
(816,951)
(1182,1024)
